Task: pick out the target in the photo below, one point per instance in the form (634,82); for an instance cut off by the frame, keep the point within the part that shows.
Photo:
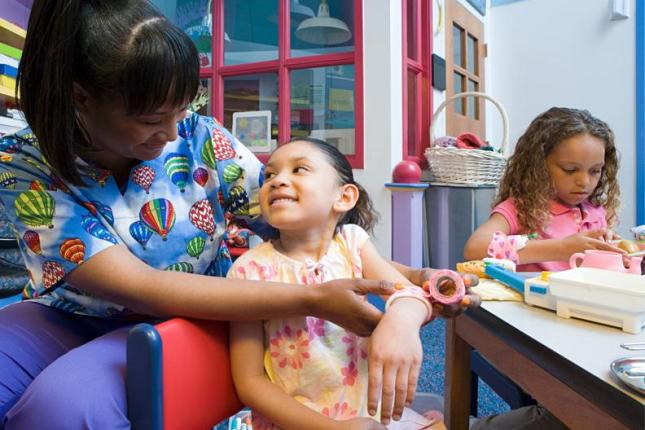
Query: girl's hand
(360,424)
(585,240)
(470,300)
(395,355)
(609,235)
(341,301)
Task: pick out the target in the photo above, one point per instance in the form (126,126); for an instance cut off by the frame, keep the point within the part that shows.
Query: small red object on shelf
(407,172)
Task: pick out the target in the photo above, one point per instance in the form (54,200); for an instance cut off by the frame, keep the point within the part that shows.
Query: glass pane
(473,112)
(322,105)
(457,43)
(458,86)
(471,53)
(250,35)
(330,31)
(202,102)
(251,93)
(412,13)
(412,113)
(194,17)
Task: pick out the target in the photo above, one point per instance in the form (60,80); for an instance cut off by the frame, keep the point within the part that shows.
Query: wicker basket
(467,166)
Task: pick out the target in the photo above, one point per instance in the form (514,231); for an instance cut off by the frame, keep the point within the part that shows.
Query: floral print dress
(318,363)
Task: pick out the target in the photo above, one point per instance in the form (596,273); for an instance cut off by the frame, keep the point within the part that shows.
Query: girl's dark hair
(527,178)
(363,213)
(122,50)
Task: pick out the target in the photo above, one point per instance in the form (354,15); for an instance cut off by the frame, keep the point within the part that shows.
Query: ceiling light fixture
(323,29)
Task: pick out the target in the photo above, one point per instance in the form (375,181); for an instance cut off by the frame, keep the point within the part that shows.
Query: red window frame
(422,70)
(283,66)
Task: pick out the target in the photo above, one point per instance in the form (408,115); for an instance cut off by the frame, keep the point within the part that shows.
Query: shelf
(8,92)
(10,51)
(10,125)
(12,122)
(11,34)
(8,86)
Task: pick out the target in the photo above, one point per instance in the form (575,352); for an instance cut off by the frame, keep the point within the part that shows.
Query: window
(464,70)
(417,91)
(279,56)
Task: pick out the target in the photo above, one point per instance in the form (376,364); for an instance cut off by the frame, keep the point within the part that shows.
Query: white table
(562,363)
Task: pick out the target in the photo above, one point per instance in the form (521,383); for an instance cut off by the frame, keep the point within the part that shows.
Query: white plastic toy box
(603,296)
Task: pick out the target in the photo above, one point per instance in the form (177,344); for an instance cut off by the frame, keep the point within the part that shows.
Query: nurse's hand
(342,301)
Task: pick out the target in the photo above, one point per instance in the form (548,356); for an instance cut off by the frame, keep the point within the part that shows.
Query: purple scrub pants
(61,371)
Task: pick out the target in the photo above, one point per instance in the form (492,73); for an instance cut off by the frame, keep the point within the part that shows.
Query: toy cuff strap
(450,292)
(413,292)
(506,247)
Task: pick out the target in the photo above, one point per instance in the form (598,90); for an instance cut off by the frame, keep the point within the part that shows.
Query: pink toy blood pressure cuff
(504,246)
(433,290)
(445,297)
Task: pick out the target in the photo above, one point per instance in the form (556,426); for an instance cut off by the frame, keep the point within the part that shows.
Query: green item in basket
(10,51)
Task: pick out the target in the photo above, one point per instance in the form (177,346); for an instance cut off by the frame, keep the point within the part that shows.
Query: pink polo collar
(557,208)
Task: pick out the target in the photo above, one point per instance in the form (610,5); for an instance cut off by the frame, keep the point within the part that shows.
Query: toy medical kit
(607,297)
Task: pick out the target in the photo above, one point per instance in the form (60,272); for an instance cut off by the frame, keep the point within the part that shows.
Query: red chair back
(179,375)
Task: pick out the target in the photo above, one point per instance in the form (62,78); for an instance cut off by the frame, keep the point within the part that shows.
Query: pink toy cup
(605,260)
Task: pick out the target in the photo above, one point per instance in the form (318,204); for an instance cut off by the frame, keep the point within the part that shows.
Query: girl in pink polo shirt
(559,187)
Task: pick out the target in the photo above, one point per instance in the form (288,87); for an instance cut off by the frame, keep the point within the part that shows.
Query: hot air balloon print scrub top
(170,213)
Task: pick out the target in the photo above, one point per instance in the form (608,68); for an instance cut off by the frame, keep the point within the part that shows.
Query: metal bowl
(630,370)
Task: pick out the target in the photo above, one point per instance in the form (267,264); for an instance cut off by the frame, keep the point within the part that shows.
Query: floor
(433,337)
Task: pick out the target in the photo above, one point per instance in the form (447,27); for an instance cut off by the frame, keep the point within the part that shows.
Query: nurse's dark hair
(123,50)
(363,213)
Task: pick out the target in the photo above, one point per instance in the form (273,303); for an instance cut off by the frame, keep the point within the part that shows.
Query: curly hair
(527,167)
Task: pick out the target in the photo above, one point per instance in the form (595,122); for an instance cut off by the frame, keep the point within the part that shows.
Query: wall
(383,108)
(544,53)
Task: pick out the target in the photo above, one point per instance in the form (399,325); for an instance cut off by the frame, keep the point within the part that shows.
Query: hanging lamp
(323,29)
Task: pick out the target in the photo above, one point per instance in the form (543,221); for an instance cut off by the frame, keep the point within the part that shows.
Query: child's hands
(470,300)
(360,424)
(395,355)
(609,235)
(585,240)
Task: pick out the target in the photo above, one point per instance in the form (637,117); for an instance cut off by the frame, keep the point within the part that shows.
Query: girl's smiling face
(575,167)
(302,190)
